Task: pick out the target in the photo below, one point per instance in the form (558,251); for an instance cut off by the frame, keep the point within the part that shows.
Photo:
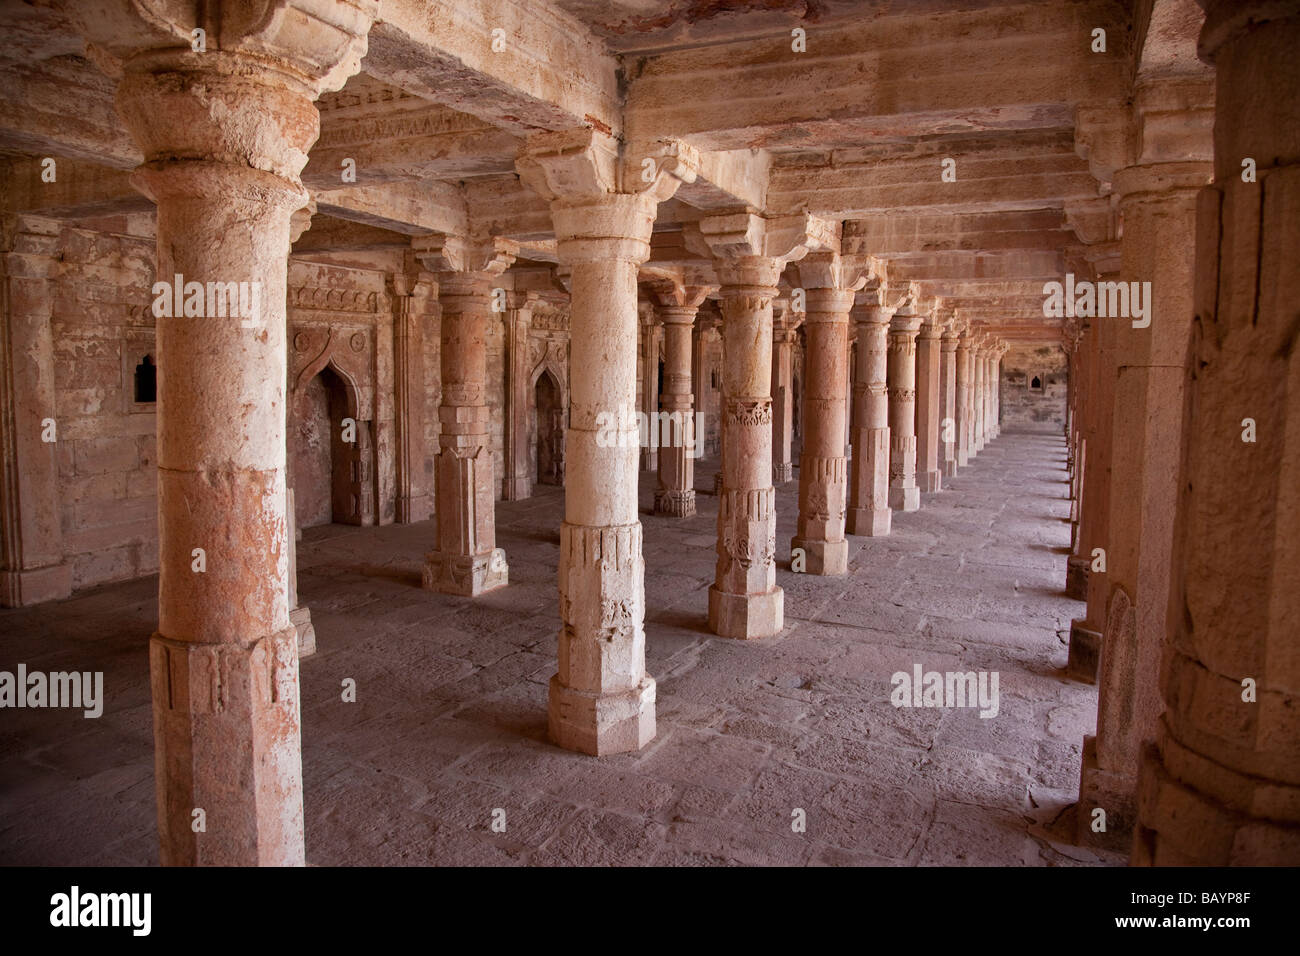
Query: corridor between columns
(449,721)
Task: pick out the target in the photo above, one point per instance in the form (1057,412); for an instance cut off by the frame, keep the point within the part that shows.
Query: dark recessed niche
(146,381)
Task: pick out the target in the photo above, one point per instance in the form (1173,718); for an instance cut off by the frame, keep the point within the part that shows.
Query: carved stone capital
(445,254)
(749,249)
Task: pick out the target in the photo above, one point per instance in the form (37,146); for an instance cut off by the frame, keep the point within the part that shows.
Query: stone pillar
(1221,786)
(929,472)
(518,481)
(1158,206)
(675,495)
(978,376)
(749,255)
(995,389)
(1078,565)
(823,468)
(224,136)
(467,561)
(651,335)
(601,699)
(904,495)
(706,320)
(948,401)
(412,500)
(869,512)
(784,336)
(965,391)
(32,566)
(744,600)
(1085,633)
(995,363)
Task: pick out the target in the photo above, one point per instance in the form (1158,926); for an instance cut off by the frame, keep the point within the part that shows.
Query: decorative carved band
(333,300)
(614,547)
(745,411)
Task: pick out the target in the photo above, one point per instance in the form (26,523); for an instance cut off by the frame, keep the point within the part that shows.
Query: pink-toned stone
(904,495)
(467,560)
(1221,784)
(929,471)
(869,512)
(823,467)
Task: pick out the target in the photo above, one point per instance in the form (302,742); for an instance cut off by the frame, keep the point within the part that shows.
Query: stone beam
(505,206)
(728,179)
(1014,264)
(1020,66)
(425,142)
(411,208)
(844,185)
(902,234)
(549,73)
(62,107)
(80,190)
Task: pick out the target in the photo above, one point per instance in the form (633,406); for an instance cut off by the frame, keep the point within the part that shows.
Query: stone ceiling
(858,128)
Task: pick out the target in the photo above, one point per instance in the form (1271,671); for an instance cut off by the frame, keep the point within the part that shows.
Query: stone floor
(450,718)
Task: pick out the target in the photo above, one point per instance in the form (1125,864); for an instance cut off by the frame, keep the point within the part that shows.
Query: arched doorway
(548,405)
(325,466)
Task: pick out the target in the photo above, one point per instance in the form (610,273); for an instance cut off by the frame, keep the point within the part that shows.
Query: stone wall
(102,326)
(1033,388)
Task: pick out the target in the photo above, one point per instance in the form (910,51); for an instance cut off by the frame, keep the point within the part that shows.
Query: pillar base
(1085,652)
(675,504)
(227,741)
(782,472)
(746,616)
(950,468)
(868,521)
(600,724)
(963,459)
(905,499)
(930,481)
(1076,578)
(824,557)
(466,575)
(300,618)
(1182,826)
(1113,792)
(35,585)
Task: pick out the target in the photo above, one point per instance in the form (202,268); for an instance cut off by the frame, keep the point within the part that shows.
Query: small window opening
(1037,383)
(146,381)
